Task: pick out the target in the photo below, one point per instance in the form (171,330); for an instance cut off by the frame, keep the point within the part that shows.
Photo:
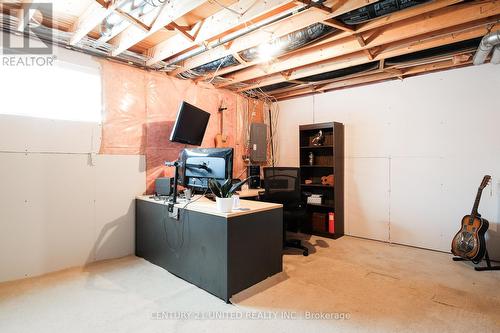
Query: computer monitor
(190,125)
(197,165)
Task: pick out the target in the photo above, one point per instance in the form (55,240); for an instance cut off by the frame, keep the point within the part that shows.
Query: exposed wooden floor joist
(433,39)
(217,25)
(181,35)
(336,44)
(419,43)
(275,30)
(378,76)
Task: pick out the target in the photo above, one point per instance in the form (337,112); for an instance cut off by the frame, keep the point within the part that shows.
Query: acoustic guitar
(221,138)
(469,242)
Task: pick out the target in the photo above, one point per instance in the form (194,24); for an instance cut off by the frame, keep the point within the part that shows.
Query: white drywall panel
(60,211)
(292,113)
(439,133)
(47,213)
(19,133)
(61,205)
(367,200)
(119,179)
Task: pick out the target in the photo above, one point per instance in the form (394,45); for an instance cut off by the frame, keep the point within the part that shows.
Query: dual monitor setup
(196,166)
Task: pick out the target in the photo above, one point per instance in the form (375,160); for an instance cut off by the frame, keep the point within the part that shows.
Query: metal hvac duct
(136,8)
(438,51)
(377,9)
(338,73)
(487,44)
(292,41)
(233,36)
(423,56)
(495,58)
(287,43)
(9,24)
(297,39)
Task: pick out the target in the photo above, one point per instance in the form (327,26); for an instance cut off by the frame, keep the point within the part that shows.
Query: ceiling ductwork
(488,43)
(226,61)
(37,31)
(209,67)
(285,44)
(495,58)
(341,72)
(273,46)
(376,10)
(277,86)
(135,8)
(439,51)
(290,42)
(421,56)
(298,39)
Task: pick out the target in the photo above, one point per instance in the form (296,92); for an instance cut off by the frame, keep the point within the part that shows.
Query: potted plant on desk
(224,193)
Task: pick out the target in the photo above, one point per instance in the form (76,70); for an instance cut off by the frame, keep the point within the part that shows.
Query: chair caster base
(296,244)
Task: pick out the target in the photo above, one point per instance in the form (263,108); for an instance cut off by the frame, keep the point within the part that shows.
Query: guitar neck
(476,202)
(221,122)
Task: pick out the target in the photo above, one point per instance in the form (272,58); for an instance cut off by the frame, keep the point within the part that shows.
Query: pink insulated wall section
(140,109)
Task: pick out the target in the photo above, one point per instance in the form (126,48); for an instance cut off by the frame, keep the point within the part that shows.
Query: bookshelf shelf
(317,185)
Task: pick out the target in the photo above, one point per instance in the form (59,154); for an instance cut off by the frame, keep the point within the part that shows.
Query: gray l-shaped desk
(220,253)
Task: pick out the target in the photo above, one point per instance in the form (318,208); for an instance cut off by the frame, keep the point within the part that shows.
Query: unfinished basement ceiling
(285,48)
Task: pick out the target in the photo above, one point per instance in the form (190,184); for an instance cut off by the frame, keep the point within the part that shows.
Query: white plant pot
(224,205)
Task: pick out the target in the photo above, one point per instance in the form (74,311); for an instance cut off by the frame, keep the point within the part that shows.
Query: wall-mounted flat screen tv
(190,125)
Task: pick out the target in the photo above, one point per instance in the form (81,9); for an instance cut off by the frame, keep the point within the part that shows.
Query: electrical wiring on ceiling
(235,11)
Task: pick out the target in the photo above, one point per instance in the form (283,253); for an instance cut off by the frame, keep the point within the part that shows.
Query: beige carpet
(347,284)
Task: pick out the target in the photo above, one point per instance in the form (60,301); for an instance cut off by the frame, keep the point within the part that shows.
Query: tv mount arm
(173,201)
(176,165)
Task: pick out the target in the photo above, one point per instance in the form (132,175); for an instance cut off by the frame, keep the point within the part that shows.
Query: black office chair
(282,186)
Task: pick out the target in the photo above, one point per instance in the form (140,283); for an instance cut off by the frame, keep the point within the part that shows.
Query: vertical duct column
(487,44)
(495,58)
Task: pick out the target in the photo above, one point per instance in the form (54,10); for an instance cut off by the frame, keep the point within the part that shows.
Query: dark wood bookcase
(328,159)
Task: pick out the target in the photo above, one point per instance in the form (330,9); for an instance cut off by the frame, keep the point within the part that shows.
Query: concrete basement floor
(382,287)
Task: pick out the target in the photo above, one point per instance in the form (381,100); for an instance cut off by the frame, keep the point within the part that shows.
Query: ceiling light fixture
(269,50)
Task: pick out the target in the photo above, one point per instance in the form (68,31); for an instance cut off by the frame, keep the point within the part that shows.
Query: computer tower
(254,172)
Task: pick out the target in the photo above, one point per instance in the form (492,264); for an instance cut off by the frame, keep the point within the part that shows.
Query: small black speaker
(164,186)
(254,172)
